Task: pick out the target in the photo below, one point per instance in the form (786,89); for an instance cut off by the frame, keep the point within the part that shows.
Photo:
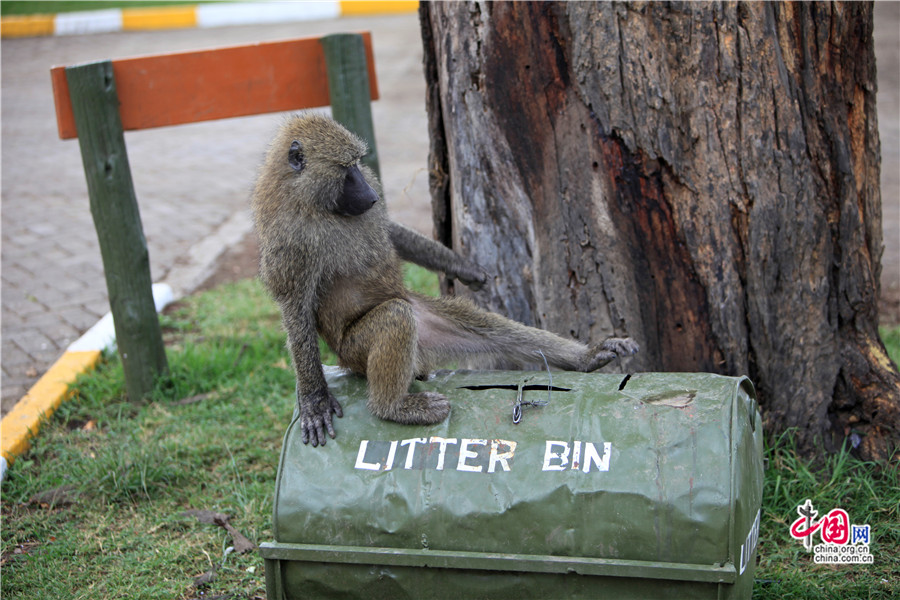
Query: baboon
(330,257)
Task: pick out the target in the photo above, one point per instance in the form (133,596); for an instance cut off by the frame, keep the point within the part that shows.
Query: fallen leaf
(241,544)
(205,579)
(192,399)
(204,516)
(24,548)
(81,425)
(58,496)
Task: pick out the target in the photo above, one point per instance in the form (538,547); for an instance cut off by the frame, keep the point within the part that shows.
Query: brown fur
(339,275)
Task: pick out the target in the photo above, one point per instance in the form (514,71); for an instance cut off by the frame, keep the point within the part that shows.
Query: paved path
(193,181)
(887,60)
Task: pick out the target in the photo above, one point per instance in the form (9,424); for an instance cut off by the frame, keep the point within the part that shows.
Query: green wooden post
(126,262)
(348,86)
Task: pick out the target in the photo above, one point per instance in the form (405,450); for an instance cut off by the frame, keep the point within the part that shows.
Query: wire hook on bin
(520,394)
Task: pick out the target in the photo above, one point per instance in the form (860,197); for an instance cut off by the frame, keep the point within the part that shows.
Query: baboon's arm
(317,404)
(416,248)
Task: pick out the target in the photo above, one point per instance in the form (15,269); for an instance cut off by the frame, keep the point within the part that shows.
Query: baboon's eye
(295,156)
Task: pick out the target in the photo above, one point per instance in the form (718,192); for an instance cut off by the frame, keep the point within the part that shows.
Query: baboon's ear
(295,156)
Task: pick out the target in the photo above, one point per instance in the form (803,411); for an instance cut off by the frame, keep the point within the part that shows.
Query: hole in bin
(506,386)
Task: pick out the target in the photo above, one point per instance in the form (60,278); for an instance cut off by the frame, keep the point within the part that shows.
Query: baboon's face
(327,157)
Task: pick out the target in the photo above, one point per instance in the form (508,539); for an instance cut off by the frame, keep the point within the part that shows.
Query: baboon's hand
(611,348)
(472,275)
(315,416)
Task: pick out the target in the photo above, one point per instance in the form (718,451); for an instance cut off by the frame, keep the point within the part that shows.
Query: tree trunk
(701,177)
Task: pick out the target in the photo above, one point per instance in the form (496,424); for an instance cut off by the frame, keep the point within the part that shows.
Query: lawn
(106,503)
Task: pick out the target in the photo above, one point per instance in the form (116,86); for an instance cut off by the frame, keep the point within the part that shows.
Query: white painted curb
(102,336)
(252,13)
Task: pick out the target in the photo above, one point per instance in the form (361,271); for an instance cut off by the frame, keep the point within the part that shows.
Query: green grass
(210,436)
(869,493)
(891,338)
(47,7)
(208,439)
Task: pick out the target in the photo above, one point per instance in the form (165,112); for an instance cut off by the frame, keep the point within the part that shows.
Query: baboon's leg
(382,345)
(451,328)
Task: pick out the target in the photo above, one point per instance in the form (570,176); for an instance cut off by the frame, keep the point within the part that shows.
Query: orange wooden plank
(65,120)
(185,87)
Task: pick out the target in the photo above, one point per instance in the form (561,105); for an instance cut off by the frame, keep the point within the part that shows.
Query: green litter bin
(640,486)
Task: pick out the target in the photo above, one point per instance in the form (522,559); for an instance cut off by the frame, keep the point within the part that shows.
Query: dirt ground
(239,262)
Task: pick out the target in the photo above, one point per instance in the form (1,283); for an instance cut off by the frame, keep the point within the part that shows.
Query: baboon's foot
(609,349)
(420,408)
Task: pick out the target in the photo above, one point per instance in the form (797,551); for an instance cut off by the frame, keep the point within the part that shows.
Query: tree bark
(700,176)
